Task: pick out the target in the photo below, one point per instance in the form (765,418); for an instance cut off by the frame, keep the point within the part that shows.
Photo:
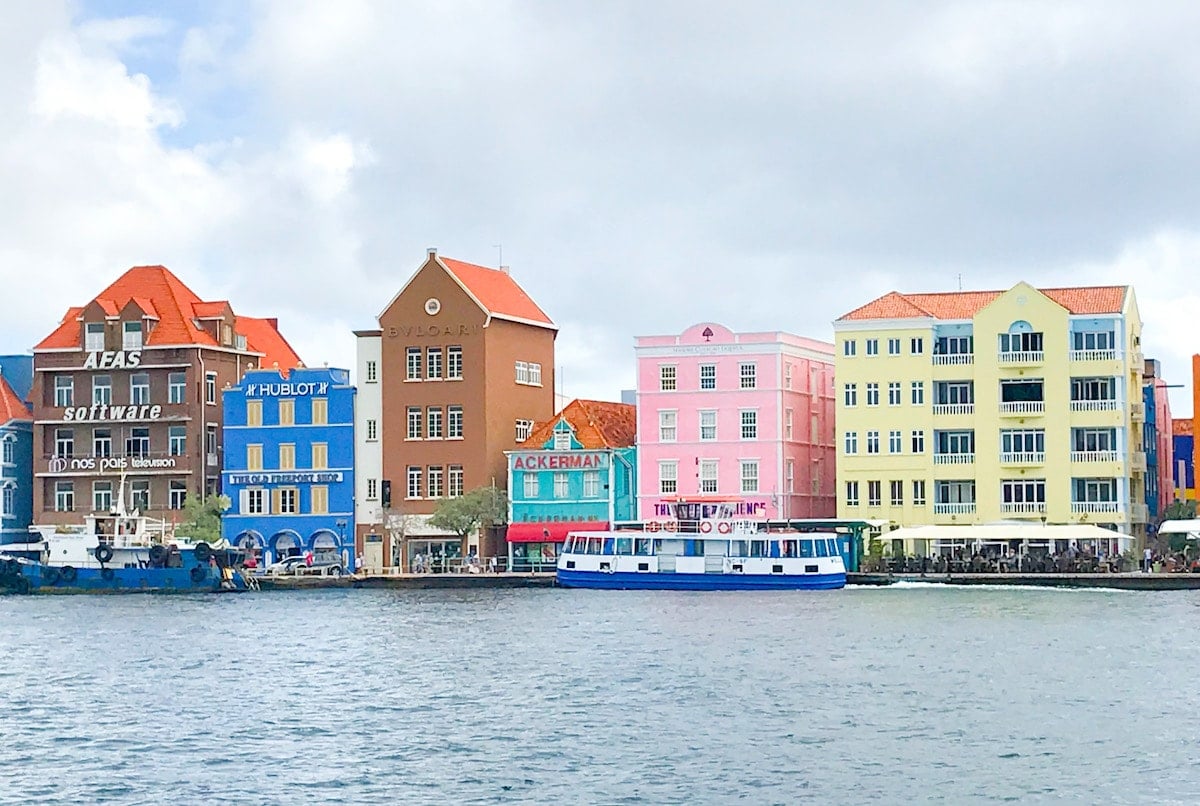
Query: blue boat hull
(37,578)
(698,582)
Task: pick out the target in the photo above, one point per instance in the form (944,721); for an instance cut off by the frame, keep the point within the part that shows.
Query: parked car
(298,566)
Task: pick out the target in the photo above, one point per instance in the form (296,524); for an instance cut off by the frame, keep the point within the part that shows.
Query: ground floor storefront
(270,542)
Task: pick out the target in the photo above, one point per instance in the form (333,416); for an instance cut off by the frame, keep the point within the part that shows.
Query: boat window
(833,547)
(806,548)
(608,545)
(624,545)
(568,544)
(758,548)
(737,548)
(822,548)
(643,545)
(789,548)
(593,545)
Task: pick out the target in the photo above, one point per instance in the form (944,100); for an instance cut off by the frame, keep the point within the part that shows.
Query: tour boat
(705,546)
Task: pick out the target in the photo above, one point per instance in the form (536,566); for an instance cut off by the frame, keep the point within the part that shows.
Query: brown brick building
(128,387)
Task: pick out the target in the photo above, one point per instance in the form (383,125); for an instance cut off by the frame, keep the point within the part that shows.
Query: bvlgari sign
(106,413)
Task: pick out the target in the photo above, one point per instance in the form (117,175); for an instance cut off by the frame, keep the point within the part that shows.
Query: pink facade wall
(1166,445)
(793,378)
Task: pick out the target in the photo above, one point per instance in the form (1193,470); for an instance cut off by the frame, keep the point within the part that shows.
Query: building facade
(126,396)
(1157,442)
(16,463)
(289,465)
(577,470)
(736,414)
(18,371)
(1183,473)
(466,367)
(974,407)
(370,502)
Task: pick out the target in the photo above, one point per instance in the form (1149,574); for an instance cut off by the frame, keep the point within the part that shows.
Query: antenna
(960,281)
(500,257)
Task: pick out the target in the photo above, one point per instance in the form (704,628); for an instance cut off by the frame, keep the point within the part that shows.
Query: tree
(483,506)
(202,517)
(398,525)
(1179,511)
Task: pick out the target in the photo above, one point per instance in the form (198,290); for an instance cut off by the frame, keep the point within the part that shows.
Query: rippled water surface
(864,695)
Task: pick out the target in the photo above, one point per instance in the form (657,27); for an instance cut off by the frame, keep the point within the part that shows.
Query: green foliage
(1180,511)
(485,506)
(202,517)
(874,553)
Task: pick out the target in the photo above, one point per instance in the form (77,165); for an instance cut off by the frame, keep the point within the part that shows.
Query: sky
(641,167)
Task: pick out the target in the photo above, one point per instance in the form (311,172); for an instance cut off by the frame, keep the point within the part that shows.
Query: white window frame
(591,484)
(709,476)
(668,477)
(530,485)
(850,443)
(177,388)
(668,425)
(454,422)
(748,418)
(749,475)
(748,375)
(668,377)
(454,363)
(708,376)
(562,484)
(412,364)
(708,425)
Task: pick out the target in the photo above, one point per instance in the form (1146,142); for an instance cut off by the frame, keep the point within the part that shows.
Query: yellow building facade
(985,406)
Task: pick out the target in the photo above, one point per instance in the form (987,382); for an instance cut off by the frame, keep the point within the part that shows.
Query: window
(8,500)
(531,484)
(562,440)
(791,475)
(749,477)
(139,388)
(1023,491)
(436,478)
(414,422)
(139,494)
(455,487)
(7,451)
(454,363)
(954,345)
(918,393)
(850,394)
(749,424)
(894,393)
(561,485)
(433,363)
(412,364)
(177,440)
(1023,441)
(893,346)
(287,456)
(64,391)
(897,497)
(787,425)
(320,456)
(1020,342)
(176,494)
(64,496)
(131,336)
(102,442)
(1102,340)
(708,376)
(101,390)
(535,374)
(254,413)
(851,440)
(874,494)
(953,393)
(895,442)
(918,496)
(708,476)
(1083,389)
(372,430)
(787,375)
(522,369)
(872,442)
(667,379)
(1015,390)
(872,394)
(849,346)
(852,493)
(454,422)
(668,473)
(138,442)
(918,442)
(254,457)
(1093,439)
(101,496)
(591,484)
(708,425)
(524,428)
(666,426)
(320,411)
(916,345)
(255,501)
(210,388)
(93,337)
(872,346)
(289,500)
(64,442)
(433,422)
(319,500)
(414,482)
(287,412)
(372,489)
(748,375)
(210,442)
(957,443)
(177,387)
(372,372)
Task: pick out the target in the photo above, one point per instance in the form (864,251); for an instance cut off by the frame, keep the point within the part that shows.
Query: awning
(551,532)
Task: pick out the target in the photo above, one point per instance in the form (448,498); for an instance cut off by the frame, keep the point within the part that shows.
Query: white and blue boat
(703,547)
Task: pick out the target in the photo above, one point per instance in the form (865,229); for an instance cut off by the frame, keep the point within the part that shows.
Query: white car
(297,565)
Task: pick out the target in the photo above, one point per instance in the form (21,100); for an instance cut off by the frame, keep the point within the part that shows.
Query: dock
(1134,580)
(541,579)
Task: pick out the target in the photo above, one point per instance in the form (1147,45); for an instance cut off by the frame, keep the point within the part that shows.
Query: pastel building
(1157,436)
(289,464)
(577,470)
(745,415)
(981,406)
(16,463)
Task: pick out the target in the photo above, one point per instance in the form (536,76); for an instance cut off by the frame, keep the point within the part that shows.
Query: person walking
(1147,560)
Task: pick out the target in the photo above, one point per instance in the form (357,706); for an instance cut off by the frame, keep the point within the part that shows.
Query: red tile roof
(597,425)
(11,406)
(965,304)
(164,296)
(496,291)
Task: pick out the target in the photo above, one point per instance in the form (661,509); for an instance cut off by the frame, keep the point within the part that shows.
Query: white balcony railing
(1024,407)
(1093,355)
(1023,508)
(954,509)
(1022,458)
(953,408)
(1095,507)
(1021,357)
(954,458)
(1094,456)
(1094,405)
(953,358)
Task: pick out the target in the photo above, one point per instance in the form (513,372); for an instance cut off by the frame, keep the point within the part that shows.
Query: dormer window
(562,440)
(131,337)
(226,335)
(93,337)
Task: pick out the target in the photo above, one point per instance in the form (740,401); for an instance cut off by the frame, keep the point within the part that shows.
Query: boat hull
(39,578)
(619,580)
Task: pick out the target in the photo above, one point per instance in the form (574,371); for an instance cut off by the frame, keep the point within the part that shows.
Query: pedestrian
(1147,559)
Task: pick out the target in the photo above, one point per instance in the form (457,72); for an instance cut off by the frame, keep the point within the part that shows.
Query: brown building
(128,387)
(466,367)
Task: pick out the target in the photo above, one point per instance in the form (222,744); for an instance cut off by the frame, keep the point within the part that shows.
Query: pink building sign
(746,416)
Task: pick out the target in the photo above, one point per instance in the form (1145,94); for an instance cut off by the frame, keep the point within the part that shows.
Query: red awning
(551,532)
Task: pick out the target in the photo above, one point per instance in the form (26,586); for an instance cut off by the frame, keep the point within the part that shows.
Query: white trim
(909,323)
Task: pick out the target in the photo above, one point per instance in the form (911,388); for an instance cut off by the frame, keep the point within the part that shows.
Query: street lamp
(340,523)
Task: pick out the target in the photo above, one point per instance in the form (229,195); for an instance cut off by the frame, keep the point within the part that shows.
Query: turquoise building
(16,450)
(577,470)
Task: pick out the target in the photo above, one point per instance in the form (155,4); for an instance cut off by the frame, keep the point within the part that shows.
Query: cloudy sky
(645,166)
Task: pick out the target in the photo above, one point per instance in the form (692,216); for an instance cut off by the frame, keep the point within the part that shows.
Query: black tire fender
(202,551)
(199,574)
(103,553)
(68,574)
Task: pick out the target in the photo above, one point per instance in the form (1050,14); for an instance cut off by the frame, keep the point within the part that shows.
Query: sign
(104,464)
(103,412)
(725,509)
(301,389)
(433,330)
(330,477)
(120,359)
(548,460)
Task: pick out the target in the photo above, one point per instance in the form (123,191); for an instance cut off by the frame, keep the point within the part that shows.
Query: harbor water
(915,693)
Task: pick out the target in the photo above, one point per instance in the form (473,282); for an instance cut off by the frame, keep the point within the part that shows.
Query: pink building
(745,415)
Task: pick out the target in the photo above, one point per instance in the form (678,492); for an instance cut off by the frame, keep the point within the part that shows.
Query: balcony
(954,509)
(1023,458)
(1023,408)
(1093,355)
(1094,405)
(1023,508)
(953,408)
(954,458)
(1094,456)
(1021,357)
(1095,507)
(956,359)
(1138,412)
(1137,461)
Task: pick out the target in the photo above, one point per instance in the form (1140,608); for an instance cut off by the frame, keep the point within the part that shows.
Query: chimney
(431,252)
(505,270)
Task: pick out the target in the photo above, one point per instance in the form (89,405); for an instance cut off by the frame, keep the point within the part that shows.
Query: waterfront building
(126,396)
(465,369)
(289,464)
(736,414)
(369,500)
(18,371)
(1183,473)
(1157,442)
(16,463)
(576,470)
(973,407)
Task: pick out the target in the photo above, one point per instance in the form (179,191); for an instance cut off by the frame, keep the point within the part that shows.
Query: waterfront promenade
(1133,580)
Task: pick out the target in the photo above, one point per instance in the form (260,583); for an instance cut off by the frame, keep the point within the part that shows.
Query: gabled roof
(597,425)
(11,406)
(965,304)
(263,336)
(496,291)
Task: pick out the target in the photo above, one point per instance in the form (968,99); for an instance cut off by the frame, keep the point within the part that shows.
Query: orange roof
(11,406)
(496,291)
(597,425)
(965,304)
(1182,428)
(263,336)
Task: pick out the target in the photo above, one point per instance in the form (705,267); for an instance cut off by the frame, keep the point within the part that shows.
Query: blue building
(575,471)
(18,371)
(1183,473)
(289,465)
(16,462)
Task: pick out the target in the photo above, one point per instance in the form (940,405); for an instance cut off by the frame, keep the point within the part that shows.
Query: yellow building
(983,406)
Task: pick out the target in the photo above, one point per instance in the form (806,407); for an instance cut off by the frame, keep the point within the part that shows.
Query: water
(923,693)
